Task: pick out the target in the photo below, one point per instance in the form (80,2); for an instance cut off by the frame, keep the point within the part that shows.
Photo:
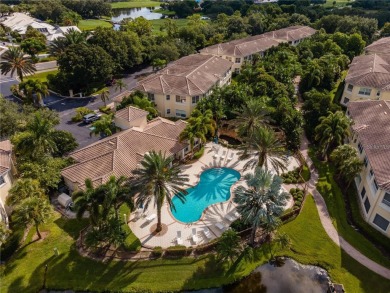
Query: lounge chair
(178,238)
(216,156)
(220,226)
(194,236)
(230,218)
(151,217)
(223,155)
(231,157)
(207,233)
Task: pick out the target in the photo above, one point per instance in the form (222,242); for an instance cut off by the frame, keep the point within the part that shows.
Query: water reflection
(147,12)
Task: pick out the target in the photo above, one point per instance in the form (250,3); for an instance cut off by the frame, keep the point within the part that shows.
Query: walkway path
(327,222)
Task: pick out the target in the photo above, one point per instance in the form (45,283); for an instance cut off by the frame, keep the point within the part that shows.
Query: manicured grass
(157,23)
(311,245)
(336,206)
(164,12)
(41,76)
(329,3)
(134,4)
(132,243)
(91,24)
(338,89)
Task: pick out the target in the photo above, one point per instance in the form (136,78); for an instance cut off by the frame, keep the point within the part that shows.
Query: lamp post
(125,218)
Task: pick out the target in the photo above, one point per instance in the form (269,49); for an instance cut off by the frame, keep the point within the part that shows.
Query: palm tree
(90,200)
(158,180)
(119,85)
(229,247)
(105,96)
(34,87)
(347,162)
(104,126)
(24,188)
(331,131)
(264,150)
(32,210)
(252,115)
(37,140)
(199,125)
(15,61)
(145,104)
(117,192)
(262,202)
(71,37)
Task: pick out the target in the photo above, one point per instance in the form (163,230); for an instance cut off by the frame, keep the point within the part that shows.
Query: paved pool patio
(217,213)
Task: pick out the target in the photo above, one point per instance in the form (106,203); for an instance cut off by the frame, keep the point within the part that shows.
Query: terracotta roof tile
(372,123)
(382,46)
(131,113)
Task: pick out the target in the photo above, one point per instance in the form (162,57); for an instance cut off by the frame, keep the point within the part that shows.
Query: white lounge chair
(178,238)
(194,236)
(151,217)
(216,156)
(223,155)
(207,233)
(220,226)
(230,218)
(231,157)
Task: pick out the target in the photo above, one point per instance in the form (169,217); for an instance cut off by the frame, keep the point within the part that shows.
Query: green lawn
(335,202)
(91,24)
(41,76)
(157,23)
(134,4)
(338,89)
(329,3)
(311,245)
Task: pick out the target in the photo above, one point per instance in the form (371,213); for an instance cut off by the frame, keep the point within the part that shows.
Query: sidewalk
(327,222)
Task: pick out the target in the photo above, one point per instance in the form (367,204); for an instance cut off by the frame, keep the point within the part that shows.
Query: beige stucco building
(368,76)
(242,50)
(177,88)
(121,153)
(7,171)
(371,137)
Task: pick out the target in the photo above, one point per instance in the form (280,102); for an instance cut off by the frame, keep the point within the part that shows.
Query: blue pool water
(213,187)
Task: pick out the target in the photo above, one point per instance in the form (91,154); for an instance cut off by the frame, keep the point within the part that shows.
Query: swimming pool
(213,187)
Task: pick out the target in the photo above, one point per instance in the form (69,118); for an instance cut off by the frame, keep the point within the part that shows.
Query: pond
(290,277)
(147,12)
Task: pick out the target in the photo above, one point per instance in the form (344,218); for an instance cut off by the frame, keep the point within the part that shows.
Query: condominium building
(368,76)
(7,171)
(177,88)
(371,137)
(242,50)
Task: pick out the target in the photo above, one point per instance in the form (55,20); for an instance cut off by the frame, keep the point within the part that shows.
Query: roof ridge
(208,59)
(155,135)
(91,159)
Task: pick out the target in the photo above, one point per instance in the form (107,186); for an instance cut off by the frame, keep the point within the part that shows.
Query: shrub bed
(157,251)
(80,113)
(177,250)
(105,110)
(298,196)
(293,177)
(12,244)
(199,153)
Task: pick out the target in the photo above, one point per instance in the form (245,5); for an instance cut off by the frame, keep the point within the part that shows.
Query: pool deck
(214,214)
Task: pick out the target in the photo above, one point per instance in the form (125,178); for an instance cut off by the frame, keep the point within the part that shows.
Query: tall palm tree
(145,104)
(347,162)
(71,37)
(37,140)
(331,131)
(264,150)
(252,115)
(104,126)
(229,247)
(32,210)
(24,188)
(158,180)
(117,192)
(105,96)
(15,61)
(35,87)
(119,85)
(89,199)
(262,202)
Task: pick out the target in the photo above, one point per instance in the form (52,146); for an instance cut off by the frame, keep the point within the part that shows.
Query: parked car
(90,118)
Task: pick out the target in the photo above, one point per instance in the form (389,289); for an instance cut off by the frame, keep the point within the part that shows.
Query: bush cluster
(157,251)
(177,250)
(294,177)
(298,195)
(105,110)
(199,154)
(80,113)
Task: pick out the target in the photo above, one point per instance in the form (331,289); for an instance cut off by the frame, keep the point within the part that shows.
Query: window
(358,180)
(181,113)
(364,91)
(365,161)
(180,99)
(378,93)
(237,70)
(381,222)
(168,111)
(371,173)
(238,60)
(360,147)
(367,205)
(167,97)
(350,88)
(195,99)
(386,199)
(2,181)
(151,97)
(374,186)
(346,100)
(363,192)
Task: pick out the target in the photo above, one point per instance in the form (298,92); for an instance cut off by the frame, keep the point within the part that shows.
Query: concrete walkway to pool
(143,228)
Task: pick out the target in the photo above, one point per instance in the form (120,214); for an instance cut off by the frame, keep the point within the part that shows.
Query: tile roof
(371,71)
(382,46)
(191,75)
(131,113)
(259,43)
(372,123)
(5,156)
(120,153)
